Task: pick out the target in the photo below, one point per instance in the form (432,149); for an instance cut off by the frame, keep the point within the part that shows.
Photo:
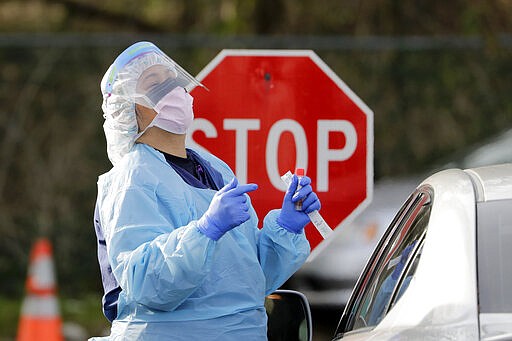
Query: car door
(389,270)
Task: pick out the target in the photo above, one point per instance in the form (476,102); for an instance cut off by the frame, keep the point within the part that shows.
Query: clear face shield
(144,74)
(141,74)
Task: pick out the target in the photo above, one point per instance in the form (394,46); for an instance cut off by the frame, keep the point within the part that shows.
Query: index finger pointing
(241,189)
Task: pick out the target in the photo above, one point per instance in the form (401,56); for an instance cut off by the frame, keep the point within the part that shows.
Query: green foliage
(347,17)
(426,103)
(84,311)
(9,315)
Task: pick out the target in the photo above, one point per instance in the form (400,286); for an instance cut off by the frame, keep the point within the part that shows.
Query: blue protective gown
(177,283)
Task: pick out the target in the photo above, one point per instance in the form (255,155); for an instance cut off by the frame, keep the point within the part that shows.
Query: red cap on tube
(300,172)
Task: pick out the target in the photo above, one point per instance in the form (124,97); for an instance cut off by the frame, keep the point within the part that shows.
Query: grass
(9,312)
(84,312)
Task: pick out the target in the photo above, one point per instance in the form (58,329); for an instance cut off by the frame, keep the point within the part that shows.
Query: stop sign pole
(265,112)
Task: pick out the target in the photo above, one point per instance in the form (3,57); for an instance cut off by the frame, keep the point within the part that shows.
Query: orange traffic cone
(40,316)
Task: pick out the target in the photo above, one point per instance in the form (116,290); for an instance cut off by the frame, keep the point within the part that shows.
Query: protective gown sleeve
(281,252)
(156,264)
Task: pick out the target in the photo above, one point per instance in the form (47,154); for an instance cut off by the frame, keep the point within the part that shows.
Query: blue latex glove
(227,210)
(291,219)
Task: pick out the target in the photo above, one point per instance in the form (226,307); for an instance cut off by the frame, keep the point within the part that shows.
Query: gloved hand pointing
(227,210)
(291,219)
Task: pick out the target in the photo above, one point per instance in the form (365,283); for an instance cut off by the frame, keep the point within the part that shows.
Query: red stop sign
(269,111)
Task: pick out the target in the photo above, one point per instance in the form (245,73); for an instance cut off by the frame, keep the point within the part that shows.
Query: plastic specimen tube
(300,173)
(315,217)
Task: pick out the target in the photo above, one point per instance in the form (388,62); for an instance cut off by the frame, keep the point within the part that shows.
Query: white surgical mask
(174,112)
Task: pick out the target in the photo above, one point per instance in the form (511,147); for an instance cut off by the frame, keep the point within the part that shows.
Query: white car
(441,270)
(328,279)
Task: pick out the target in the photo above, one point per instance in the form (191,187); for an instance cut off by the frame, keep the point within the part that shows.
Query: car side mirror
(289,316)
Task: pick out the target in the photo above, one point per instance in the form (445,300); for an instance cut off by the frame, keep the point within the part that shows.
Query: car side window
(392,265)
(407,277)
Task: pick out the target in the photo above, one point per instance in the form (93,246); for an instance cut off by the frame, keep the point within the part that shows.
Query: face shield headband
(145,74)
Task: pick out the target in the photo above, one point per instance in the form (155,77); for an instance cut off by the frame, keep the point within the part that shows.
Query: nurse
(180,252)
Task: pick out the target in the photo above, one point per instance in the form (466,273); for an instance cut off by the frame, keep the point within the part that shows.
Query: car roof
(492,182)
